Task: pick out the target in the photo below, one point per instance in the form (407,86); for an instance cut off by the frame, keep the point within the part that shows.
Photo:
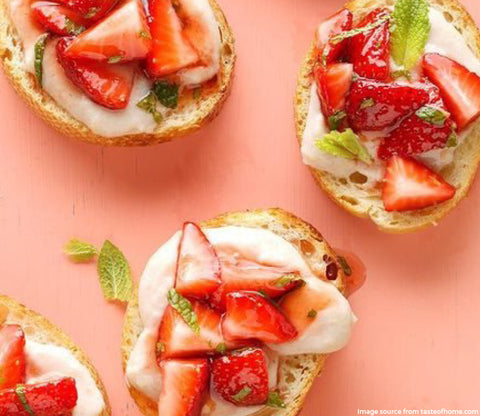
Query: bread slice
(41,330)
(187,118)
(368,203)
(296,373)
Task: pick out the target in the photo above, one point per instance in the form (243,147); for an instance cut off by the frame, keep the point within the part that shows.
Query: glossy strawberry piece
(410,185)
(459,87)
(241,377)
(249,315)
(122,36)
(12,356)
(90,9)
(328,50)
(107,85)
(46,399)
(198,267)
(57,19)
(370,50)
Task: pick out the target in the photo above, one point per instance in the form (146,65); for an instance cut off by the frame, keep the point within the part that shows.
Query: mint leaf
(367,103)
(452,140)
(144,34)
(242,394)
(410,31)
(184,308)
(345,266)
(286,280)
(79,251)
(114,273)
(335,40)
(344,144)
(197,93)
(20,392)
(39,52)
(115,59)
(92,12)
(221,348)
(312,313)
(167,93)
(275,400)
(336,119)
(72,27)
(149,104)
(432,115)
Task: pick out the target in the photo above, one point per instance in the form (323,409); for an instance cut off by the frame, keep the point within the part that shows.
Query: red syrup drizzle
(356,279)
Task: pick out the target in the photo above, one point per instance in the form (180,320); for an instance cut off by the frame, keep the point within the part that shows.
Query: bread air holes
(358,178)
(448,17)
(349,200)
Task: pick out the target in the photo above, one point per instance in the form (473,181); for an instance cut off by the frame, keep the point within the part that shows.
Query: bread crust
(193,116)
(302,368)
(41,330)
(368,204)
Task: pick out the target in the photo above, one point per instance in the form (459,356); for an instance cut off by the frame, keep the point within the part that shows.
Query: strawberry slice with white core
(184,387)
(12,356)
(198,267)
(250,315)
(409,185)
(459,87)
(122,36)
(58,19)
(171,51)
(330,51)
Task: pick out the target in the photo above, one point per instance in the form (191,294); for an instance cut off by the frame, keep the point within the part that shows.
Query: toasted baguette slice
(187,118)
(41,330)
(368,203)
(296,373)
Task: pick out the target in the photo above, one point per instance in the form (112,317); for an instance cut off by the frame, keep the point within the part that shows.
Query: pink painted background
(418,339)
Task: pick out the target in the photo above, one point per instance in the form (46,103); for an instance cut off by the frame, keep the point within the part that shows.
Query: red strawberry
(120,37)
(459,87)
(184,387)
(241,377)
(340,22)
(12,356)
(250,315)
(373,105)
(46,399)
(370,51)
(410,185)
(198,268)
(171,51)
(108,85)
(57,19)
(90,9)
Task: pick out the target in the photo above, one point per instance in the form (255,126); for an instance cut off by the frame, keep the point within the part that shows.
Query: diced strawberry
(12,356)
(328,51)
(122,36)
(171,51)
(249,315)
(241,377)
(198,267)
(374,106)
(57,19)
(184,387)
(90,9)
(370,50)
(108,85)
(46,399)
(409,185)
(459,87)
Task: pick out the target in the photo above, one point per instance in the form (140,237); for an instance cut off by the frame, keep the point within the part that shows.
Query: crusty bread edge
(32,321)
(287,226)
(24,83)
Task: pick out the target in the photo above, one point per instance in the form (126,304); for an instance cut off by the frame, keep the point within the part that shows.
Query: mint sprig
(185,309)
(80,251)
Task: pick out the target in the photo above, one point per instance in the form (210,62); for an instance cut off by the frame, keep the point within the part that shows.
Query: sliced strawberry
(57,19)
(12,356)
(249,315)
(370,50)
(90,9)
(184,387)
(410,185)
(122,36)
(330,51)
(459,87)
(241,377)
(374,106)
(198,267)
(46,399)
(108,85)
(171,51)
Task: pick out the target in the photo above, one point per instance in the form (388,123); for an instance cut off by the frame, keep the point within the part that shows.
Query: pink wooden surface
(417,341)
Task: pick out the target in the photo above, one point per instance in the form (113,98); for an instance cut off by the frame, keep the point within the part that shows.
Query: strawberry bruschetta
(235,315)
(42,372)
(387,109)
(119,72)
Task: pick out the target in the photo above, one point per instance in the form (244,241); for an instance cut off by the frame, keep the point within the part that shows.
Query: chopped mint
(197,93)
(114,59)
(452,140)
(20,392)
(72,27)
(432,115)
(367,103)
(167,93)
(80,251)
(344,144)
(149,104)
(39,52)
(184,308)
(335,40)
(160,347)
(144,34)
(285,280)
(336,119)
(242,394)
(92,12)
(402,73)
(345,266)
(312,313)
(275,400)
(221,348)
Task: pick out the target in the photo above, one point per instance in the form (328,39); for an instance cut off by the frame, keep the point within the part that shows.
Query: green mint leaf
(312,313)
(197,93)
(167,93)
(115,59)
(72,27)
(432,115)
(275,400)
(160,347)
(402,73)
(79,251)
(344,144)
(114,273)
(242,394)
(285,280)
(410,31)
(335,40)
(144,34)
(92,12)
(336,119)
(149,104)
(184,308)
(367,103)
(221,348)
(20,392)
(344,265)
(39,52)
(452,140)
